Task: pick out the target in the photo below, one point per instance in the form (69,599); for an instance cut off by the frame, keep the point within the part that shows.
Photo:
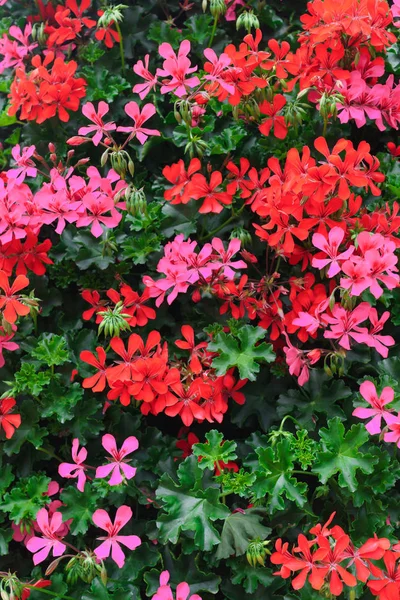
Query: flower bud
(248,20)
(77,140)
(204,5)
(217,8)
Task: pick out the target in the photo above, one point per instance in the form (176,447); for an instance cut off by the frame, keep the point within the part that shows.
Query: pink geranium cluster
(378,409)
(117,467)
(14,51)
(101,128)
(379,102)
(183,266)
(373,262)
(67,198)
(53,530)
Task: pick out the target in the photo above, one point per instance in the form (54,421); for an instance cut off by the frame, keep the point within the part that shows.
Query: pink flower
(6,344)
(177,67)
(330,247)
(51,538)
(379,342)
(216,67)
(118,462)
(344,324)
(143,71)
(296,363)
(25,166)
(77,468)
(224,259)
(368,392)
(112,541)
(97,205)
(133,111)
(164,591)
(394,434)
(99,126)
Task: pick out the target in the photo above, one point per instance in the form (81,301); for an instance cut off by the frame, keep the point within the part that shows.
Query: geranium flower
(9,301)
(177,67)
(8,422)
(142,69)
(51,539)
(118,466)
(112,542)
(330,247)
(139,118)
(378,412)
(77,468)
(97,381)
(25,166)
(100,128)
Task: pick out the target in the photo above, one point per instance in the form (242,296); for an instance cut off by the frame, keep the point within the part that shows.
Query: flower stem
(48,592)
(121,46)
(213,30)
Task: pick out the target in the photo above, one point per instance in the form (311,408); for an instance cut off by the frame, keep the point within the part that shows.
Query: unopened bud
(204,5)
(217,8)
(248,20)
(52,147)
(77,140)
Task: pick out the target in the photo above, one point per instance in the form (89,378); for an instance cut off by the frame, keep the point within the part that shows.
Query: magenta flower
(143,71)
(6,344)
(100,128)
(344,324)
(330,247)
(164,591)
(178,68)
(296,362)
(377,410)
(51,539)
(112,541)
(379,342)
(224,257)
(118,463)
(25,166)
(97,206)
(394,434)
(133,111)
(77,468)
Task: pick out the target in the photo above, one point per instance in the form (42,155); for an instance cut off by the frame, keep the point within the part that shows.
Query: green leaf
(317,396)
(67,399)
(190,507)
(5,119)
(6,536)
(51,350)
(26,498)
(274,477)
(341,454)
(102,84)
(28,431)
(214,451)
(29,380)
(227,141)
(80,507)
(253,577)
(239,529)
(242,352)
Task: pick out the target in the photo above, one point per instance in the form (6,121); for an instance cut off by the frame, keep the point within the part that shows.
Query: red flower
(9,422)
(10,298)
(213,199)
(97,381)
(275,121)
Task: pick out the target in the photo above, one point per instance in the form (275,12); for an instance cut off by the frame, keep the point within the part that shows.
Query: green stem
(213,30)
(292,419)
(224,224)
(121,46)
(44,591)
(50,453)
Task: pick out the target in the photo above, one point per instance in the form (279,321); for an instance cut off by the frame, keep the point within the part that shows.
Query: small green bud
(248,20)
(217,8)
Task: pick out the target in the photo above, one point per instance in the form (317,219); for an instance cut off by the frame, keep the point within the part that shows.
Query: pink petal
(123,516)
(368,391)
(101,519)
(130,541)
(117,554)
(130,445)
(103,550)
(109,443)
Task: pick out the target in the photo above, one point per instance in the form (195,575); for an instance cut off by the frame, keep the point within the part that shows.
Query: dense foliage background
(254,427)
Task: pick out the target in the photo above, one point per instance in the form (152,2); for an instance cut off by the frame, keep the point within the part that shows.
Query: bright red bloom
(9,300)
(97,381)
(8,422)
(213,198)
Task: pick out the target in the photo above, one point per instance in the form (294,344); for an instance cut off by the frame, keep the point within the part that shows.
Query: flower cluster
(145,374)
(329,559)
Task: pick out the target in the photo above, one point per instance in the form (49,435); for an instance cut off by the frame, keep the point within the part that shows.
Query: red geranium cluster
(331,560)
(145,373)
(45,92)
